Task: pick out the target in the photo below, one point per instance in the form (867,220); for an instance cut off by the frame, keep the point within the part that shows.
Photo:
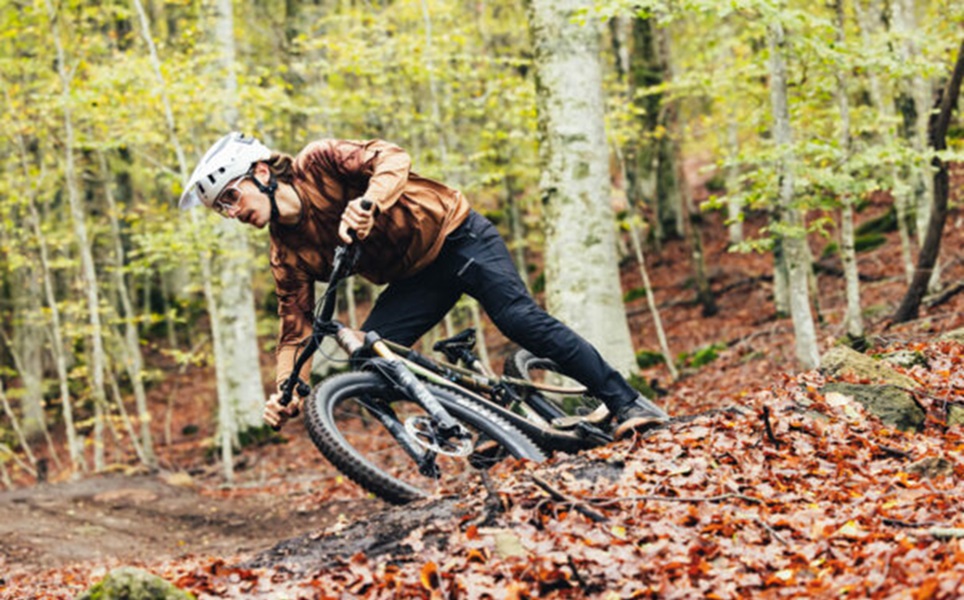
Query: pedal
(597,418)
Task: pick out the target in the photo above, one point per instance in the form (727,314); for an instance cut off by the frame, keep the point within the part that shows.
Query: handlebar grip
(366,204)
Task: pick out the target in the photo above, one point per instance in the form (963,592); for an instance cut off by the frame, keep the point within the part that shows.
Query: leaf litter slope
(711,505)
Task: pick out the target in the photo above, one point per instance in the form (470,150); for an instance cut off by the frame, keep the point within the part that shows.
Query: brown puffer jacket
(414,216)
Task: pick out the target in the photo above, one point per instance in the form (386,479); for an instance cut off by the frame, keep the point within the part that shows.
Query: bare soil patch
(145,518)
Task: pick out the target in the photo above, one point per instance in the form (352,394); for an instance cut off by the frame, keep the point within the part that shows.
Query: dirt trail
(145,518)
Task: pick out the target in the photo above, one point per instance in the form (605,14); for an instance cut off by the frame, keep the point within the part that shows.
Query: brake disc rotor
(424,432)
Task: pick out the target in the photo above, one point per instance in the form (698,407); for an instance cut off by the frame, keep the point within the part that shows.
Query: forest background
(791,114)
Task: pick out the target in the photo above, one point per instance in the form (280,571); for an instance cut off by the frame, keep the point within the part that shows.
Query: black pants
(475,261)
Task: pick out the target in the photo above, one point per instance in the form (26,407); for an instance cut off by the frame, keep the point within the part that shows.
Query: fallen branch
(576,503)
(720,498)
(907,524)
(946,295)
(894,452)
(946,532)
(766,422)
(835,271)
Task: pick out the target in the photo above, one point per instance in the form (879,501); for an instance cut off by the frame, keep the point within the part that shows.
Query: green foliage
(701,356)
(885,223)
(648,358)
(450,81)
(634,294)
(641,385)
(865,243)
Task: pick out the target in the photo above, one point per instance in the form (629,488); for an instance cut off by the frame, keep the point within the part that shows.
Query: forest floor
(56,538)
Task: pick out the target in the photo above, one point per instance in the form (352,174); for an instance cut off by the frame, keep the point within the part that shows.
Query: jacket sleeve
(296,299)
(382,166)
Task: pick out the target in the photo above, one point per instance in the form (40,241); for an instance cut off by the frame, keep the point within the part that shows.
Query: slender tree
(910,305)
(133,358)
(78,217)
(243,397)
(582,279)
(853,321)
(794,236)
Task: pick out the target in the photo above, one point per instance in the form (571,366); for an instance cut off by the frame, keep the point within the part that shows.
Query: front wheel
(371,432)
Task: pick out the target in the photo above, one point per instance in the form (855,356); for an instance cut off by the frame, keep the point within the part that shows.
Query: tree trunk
(868,21)
(910,305)
(56,329)
(920,107)
(25,340)
(653,174)
(651,301)
(798,263)
(734,207)
(853,321)
(15,424)
(80,230)
(582,279)
(133,359)
(694,236)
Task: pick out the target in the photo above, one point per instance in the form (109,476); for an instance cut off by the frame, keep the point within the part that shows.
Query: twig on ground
(894,452)
(577,504)
(928,528)
(772,531)
(491,507)
(719,498)
(766,422)
(575,573)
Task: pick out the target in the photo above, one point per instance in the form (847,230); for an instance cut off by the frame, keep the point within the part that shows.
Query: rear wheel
(383,441)
(522,364)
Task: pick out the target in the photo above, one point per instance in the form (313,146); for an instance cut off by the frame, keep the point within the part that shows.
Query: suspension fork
(395,369)
(425,459)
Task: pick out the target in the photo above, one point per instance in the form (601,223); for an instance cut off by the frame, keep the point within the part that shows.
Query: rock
(932,466)
(128,583)
(956,335)
(179,479)
(905,358)
(891,405)
(841,360)
(955,416)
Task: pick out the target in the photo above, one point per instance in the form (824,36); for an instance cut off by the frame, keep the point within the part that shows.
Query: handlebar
(341,267)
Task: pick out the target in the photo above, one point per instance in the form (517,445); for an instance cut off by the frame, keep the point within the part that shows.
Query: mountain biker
(420,237)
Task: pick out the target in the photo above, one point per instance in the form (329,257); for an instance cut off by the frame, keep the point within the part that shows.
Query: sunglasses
(229,196)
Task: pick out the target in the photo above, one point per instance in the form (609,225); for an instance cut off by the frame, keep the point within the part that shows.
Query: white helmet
(229,158)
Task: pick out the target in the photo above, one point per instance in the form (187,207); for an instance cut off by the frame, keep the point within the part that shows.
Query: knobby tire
(325,431)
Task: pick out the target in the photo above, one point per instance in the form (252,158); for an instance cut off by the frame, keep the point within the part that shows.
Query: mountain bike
(403,425)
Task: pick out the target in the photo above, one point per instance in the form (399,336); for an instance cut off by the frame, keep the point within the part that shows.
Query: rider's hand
(358,219)
(276,415)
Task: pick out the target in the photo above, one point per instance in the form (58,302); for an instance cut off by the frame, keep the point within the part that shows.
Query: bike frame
(406,368)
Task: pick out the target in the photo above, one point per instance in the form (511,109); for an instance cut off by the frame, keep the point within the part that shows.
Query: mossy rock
(892,405)
(905,358)
(128,583)
(931,467)
(842,361)
(955,415)
(956,335)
